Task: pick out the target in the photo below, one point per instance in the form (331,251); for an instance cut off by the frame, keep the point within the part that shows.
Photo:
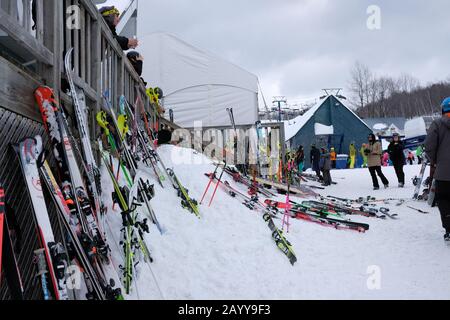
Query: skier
(111,16)
(137,61)
(385,159)
(325,164)
(333,156)
(397,155)
(315,161)
(363,155)
(411,158)
(300,159)
(437,145)
(419,154)
(373,153)
(353,152)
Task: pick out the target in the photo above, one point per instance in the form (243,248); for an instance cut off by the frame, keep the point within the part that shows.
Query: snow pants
(327,177)
(374,171)
(443,201)
(301,166)
(399,172)
(352,162)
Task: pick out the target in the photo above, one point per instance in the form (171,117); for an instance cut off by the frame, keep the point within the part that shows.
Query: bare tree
(361,77)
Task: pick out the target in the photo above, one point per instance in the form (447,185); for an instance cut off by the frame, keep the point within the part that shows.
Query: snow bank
(230,254)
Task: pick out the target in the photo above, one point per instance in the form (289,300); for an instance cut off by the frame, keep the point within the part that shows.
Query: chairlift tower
(279,101)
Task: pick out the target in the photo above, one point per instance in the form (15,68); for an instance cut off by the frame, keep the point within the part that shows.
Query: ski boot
(401,185)
(376,188)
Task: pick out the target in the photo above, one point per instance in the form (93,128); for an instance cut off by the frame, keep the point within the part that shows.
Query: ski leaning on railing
(8,261)
(52,272)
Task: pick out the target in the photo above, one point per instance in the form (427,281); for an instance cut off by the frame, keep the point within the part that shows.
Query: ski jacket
(397,153)
(352,150)
(300,157)
(325,162)
(374,155)
(437,147)
(315,158)
(333,156)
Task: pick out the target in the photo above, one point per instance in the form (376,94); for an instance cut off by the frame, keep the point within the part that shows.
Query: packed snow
(229,253)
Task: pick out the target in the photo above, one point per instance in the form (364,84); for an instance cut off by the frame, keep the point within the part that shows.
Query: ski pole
(217,186)
(211,178)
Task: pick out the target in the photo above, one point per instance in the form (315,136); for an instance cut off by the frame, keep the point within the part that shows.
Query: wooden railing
(99,62)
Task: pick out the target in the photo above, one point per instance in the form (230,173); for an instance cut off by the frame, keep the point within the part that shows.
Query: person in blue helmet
(437,148)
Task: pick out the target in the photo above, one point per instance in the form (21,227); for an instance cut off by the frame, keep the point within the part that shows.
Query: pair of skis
(319,216)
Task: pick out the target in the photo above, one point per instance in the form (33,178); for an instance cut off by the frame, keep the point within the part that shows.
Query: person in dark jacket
(300,159)
(137,61)
(325,166)
(315,161)
(111,16)
(437,148)
(396,152)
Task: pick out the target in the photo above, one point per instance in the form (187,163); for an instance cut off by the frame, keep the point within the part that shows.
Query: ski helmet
(109,11)
(446,106)
(159,93)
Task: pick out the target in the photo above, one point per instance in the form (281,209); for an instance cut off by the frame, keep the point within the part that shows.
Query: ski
(419,179)
(238,177)
(186,201)
(80,109)
(146,192)
(302,191)
(328,205)
(125,149)
(280,240)
(133,230)
(30,153)
(8,258)
(56,126)
(85,253)
(318,216)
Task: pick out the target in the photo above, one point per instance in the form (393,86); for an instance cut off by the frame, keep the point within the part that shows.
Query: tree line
(403,96)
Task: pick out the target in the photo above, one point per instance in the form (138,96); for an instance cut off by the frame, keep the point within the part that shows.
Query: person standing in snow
(326,167)
(112,18)
(419,154)
(315,161)
(397,155)
(300,159)
(373,153)
(437,146)
(333,156)
(385,159)
(353,153)
(411,158)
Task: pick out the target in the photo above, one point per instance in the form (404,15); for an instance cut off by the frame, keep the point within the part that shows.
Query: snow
(415,128)
(324,130)
(229,253)
(380,126)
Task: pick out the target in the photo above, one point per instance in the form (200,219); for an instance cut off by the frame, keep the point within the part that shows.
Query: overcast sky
(298,47)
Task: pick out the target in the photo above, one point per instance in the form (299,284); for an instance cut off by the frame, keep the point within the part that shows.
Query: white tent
(197,85)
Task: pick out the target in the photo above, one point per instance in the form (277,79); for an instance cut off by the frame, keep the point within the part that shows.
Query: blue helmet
(446,106)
